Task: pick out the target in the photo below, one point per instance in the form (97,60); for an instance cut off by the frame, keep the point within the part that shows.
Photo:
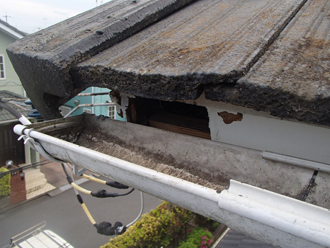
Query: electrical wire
(141,210)
(105,228)
(80,200)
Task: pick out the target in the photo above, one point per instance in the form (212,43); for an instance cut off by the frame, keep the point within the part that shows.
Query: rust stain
(229,118)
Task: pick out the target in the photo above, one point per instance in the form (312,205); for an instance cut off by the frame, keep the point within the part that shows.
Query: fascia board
(12,33)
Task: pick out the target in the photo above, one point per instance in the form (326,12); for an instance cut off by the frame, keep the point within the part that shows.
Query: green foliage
(164,227)
(203,221)
(188,244)
(4,183)
(199,238)
(155,229)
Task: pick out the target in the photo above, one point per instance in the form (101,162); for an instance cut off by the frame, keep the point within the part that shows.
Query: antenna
(6,16)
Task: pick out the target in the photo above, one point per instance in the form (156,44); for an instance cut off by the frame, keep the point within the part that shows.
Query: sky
(33,15)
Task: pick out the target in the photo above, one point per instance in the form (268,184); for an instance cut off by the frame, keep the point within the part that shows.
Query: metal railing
(18,169)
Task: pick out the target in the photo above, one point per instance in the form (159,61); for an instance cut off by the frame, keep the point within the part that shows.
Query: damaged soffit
(194,46)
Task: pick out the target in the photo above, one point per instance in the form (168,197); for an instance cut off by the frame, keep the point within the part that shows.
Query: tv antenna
(6,16)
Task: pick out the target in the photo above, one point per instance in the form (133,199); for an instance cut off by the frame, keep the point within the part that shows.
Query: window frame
(112,109)
(2,71)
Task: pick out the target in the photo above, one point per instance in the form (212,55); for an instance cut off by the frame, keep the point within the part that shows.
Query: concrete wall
(11,82)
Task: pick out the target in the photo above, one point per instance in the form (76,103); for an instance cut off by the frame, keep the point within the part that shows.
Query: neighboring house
(249,78)
(8,77)
(11,87)
(97,110)
(10,147)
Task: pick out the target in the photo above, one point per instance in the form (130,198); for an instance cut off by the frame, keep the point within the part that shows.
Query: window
(112,111)
(2,67)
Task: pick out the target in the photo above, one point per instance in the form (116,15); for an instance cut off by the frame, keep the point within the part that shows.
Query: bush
(205,222)
(165,227)
(155,229)
(4,183)
(198,238)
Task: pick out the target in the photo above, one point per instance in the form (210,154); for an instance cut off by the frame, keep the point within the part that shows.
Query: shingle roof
(4,114)
(266,55)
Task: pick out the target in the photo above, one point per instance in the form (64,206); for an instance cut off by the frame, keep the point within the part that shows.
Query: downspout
(259,213)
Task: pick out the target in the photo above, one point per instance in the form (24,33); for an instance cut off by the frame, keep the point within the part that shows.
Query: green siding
(11,81)
(100,110)
(101,99)
(82,100)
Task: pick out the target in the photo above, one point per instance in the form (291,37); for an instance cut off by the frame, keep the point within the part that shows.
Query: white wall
(263,132)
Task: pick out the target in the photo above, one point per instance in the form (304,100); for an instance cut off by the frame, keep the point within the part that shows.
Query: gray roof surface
(208,37)
(235,239)
(292,79)
(207,42)
(43,60)
(263,54)
(6,115)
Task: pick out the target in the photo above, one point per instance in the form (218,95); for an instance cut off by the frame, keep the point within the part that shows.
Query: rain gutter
(256,212)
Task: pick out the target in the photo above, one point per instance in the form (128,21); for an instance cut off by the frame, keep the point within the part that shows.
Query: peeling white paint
(124,101)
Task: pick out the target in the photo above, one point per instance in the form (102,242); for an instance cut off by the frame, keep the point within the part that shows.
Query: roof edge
(11,31)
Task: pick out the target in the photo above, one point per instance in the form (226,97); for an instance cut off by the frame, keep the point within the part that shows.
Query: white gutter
(297,219)
(259,213)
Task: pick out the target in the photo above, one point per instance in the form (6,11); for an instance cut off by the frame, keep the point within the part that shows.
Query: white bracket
(36,145)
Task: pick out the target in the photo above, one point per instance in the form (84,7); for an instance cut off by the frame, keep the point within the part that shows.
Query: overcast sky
(32,15)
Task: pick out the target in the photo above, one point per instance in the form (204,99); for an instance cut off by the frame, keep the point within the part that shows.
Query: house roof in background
(11,31)
(4,114)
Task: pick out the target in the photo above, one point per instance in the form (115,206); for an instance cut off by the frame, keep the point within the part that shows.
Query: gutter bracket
(36,145)
(78,172)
